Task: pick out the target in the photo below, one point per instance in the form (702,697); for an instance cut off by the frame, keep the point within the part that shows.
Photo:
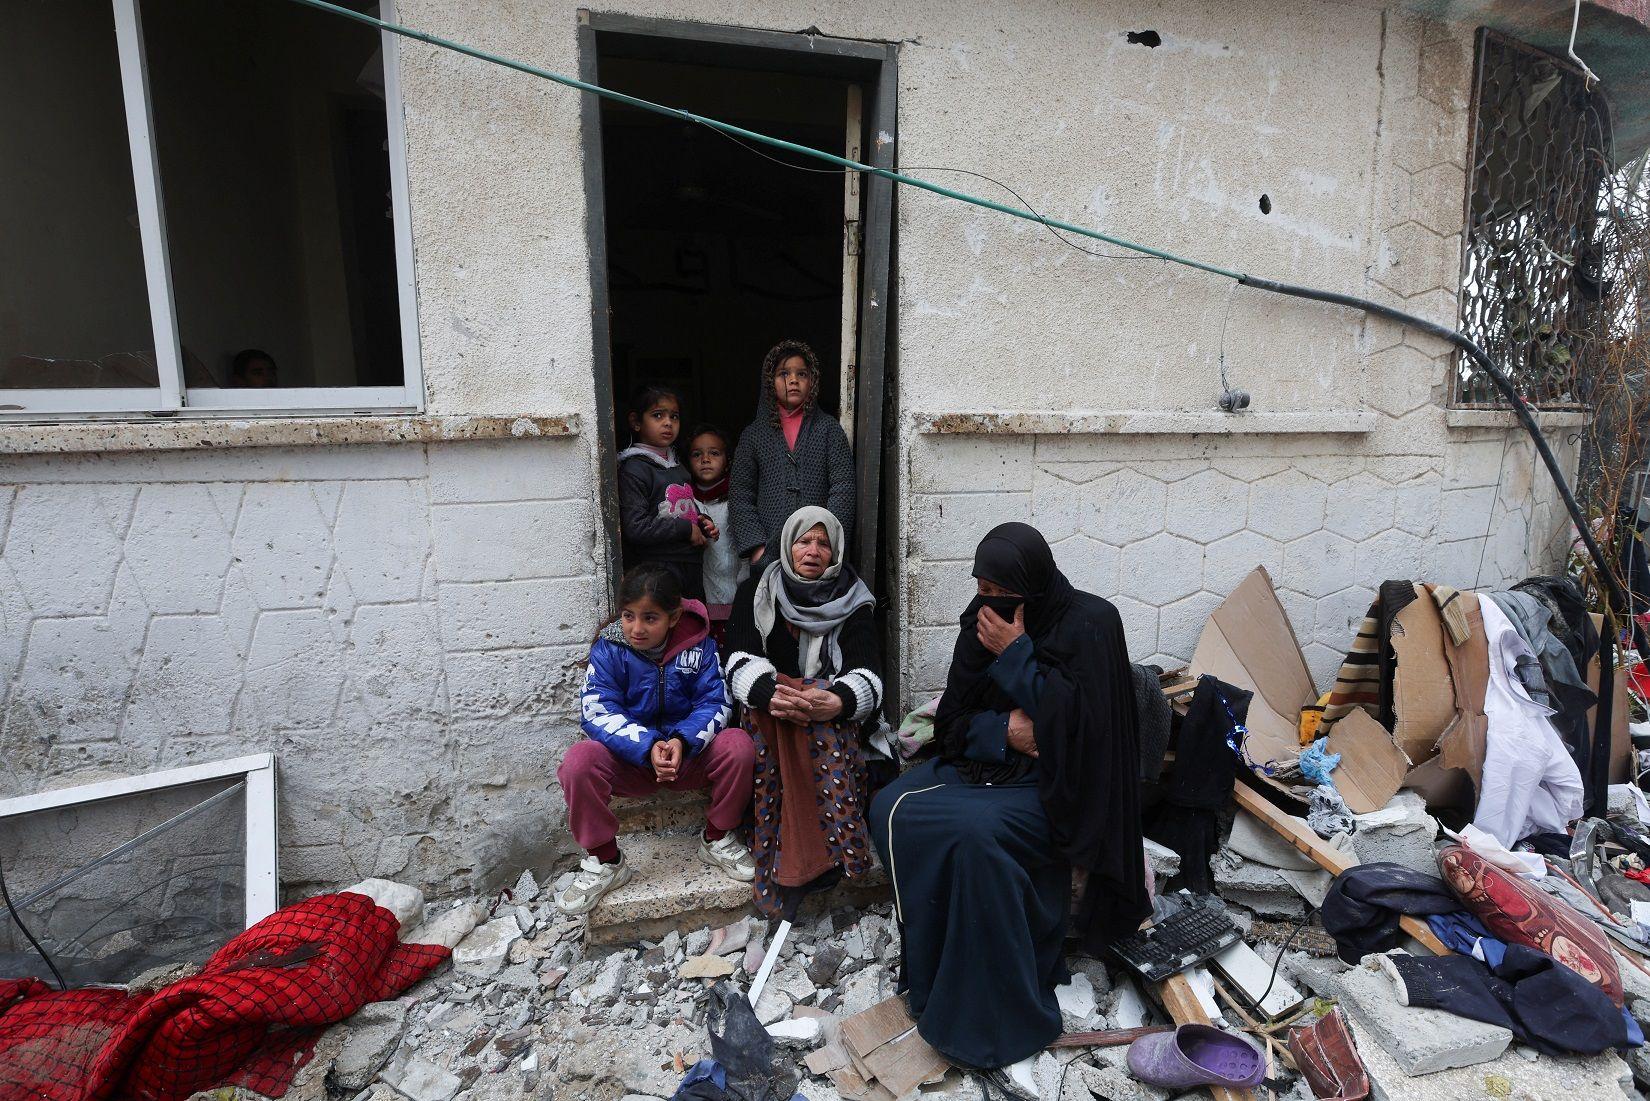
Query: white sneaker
(593,880)
(729,855)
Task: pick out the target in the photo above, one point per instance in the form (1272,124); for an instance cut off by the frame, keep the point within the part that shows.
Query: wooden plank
(864,1032)
(904,1064)
(1111,1037)
(1331,860)
(1182,1005)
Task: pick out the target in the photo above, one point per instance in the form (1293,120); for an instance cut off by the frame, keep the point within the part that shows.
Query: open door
(707,250)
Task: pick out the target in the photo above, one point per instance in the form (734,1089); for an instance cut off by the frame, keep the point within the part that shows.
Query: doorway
(706,249)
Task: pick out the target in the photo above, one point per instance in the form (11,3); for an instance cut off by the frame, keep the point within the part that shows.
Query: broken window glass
(116,887)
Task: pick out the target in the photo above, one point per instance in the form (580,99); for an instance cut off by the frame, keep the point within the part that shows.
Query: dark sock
(608,853)
(714,834)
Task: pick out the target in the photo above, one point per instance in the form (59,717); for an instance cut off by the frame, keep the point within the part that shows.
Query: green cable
(765,139)
(1515,400)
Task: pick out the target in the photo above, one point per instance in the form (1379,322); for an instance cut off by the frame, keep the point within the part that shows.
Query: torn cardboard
(1248,642)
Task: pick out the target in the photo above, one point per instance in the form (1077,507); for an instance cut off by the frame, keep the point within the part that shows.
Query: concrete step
(663,810)
(671,888)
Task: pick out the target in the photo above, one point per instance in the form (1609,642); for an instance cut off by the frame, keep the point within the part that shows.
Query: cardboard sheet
(1249,642)
(1423,694)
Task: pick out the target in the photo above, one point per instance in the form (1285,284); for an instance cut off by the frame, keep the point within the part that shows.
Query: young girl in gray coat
(790,456)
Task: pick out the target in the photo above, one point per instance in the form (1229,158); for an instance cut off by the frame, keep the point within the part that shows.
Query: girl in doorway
(791,456)
(708,460)
(658,519)
(655,710)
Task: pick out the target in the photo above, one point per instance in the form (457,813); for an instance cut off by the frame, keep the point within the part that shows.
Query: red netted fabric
(250,1018)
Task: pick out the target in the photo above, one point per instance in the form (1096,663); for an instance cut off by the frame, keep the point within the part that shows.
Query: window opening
(1530,286)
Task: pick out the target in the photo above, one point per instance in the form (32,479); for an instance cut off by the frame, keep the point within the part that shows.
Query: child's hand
(708,526)
(696,536)
(666,758)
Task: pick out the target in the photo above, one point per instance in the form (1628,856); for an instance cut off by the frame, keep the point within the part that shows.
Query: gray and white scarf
(817,608)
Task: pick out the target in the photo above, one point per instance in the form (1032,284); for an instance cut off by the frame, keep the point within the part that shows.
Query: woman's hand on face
(1021,734)
(996,633)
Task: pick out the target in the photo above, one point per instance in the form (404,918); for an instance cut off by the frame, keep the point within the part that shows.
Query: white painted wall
(402,624)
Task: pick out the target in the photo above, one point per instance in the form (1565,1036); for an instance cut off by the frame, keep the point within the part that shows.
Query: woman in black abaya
(1037,774)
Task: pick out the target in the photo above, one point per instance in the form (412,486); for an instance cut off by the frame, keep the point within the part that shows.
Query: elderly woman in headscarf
(1037,774)
(802,660)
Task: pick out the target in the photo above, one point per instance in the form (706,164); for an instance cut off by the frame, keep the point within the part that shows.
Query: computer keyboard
(1177,942)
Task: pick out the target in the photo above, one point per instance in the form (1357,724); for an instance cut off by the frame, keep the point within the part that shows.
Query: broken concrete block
(1128,1008)
(1255,886)
(1421,1041)
(484,951)
(1254,840)
(1313,886)
(1401,832)
(421,1080)
(1165,862)
(526,890)
(774,1005)
(449,927)
(371,1036)
(1077,1003)
(405,902)
(705,967)
(795,1032)
(1111,1080)
(730,938)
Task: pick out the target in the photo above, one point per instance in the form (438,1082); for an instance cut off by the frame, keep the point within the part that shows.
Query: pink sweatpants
(591,776)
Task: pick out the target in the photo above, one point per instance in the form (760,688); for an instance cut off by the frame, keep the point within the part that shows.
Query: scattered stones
(485,950)
(796,1032)
(451,926)
(696,943)
(526,890)
(705,967)
(1164,861)
(827,961)
(730,938)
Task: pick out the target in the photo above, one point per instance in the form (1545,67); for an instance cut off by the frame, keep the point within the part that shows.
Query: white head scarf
(816,608)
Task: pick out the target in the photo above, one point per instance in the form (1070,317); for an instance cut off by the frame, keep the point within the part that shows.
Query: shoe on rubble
(593,880)
(730,855)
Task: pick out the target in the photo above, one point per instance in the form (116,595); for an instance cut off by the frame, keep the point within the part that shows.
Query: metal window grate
(1530,280)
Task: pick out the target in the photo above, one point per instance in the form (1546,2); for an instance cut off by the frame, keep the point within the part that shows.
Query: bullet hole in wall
(1266,204)
(1149,39)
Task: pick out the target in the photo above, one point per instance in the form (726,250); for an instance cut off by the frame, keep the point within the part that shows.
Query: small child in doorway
(655,713)
(658,518)
(793,454)
(708,460)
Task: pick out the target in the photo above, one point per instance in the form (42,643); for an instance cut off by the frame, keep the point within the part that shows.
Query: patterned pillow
(1518,913)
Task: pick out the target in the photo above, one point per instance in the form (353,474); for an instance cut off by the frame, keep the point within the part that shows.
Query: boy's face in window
(792,384)
(708,459)
(257,374)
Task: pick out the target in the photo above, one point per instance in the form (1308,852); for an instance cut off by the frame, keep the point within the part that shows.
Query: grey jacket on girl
(770,481)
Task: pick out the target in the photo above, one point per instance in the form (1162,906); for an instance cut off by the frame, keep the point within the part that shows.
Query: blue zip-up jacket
(631,702)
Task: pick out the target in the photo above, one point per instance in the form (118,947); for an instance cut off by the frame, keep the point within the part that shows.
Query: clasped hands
(804,705)
(666,759)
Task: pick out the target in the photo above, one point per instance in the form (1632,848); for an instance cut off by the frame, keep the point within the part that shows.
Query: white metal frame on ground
(170,398)
(258,772)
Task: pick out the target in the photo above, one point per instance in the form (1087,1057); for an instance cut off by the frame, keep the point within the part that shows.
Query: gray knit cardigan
(770,481)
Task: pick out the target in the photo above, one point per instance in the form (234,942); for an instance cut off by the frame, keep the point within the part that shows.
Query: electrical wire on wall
(1466,345)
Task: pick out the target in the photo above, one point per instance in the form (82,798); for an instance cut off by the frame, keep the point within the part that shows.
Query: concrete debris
(705,967)
(1420,1041)
(406,903)
(370,1038)
(1253,840)
(796,1032)
(1164,861)
(449,927)
(421,1080)
(1401,832)
(1077,1004)
(526,890)
(485,950)
(1128,1008)
(730,938)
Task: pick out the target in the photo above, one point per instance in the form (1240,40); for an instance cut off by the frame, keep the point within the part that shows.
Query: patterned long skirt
(809,803)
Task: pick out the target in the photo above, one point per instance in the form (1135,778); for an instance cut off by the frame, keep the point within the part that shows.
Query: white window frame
(171,398)
(257,770)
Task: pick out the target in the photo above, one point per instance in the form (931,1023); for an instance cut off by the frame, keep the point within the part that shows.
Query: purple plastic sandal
(1197,1055)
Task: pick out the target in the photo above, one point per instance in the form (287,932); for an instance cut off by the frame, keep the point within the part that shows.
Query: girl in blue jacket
(655,710)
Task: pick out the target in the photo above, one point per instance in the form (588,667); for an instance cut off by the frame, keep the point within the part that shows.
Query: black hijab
(1085,723)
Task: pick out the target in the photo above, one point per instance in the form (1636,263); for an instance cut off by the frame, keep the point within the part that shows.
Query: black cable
(18,918)
(1299,925)
(1520,407)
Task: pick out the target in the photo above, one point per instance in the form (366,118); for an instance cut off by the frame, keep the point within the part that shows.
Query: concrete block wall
(1166,527)
(404,626)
